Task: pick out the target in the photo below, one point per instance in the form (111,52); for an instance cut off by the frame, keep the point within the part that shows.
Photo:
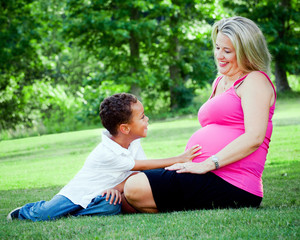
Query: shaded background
(60,58)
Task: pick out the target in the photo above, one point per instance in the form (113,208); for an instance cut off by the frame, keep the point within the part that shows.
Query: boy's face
(139,121)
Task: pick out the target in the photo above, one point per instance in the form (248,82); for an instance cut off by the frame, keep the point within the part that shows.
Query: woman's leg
(138,193)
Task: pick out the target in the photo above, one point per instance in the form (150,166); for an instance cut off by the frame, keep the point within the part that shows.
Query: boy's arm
(188,155)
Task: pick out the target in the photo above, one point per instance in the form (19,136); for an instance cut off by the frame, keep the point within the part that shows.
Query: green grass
(36,168)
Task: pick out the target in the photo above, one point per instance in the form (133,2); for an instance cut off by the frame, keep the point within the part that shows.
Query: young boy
(106,168)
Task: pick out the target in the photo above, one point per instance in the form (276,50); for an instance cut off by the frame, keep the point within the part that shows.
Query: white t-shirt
(108,165)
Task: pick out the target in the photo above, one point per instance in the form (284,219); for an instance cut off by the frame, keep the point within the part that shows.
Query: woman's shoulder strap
(215,84)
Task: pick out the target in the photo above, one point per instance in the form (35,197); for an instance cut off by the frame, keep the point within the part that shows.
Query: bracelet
(215,159)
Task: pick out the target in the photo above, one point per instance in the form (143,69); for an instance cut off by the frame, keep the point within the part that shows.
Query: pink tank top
(222,121)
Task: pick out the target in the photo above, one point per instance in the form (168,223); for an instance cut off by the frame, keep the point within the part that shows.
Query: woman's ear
(124,128)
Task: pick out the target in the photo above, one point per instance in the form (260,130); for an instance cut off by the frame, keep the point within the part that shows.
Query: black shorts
(184,191)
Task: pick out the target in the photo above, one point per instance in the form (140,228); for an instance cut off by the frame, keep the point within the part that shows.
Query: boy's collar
(114,146)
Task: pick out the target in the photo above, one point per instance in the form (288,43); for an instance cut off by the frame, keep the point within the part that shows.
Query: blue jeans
(60,206)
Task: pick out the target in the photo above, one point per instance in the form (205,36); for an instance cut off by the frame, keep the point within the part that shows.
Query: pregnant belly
(212,138)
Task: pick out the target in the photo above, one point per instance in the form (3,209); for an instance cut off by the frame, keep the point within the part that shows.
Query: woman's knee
(138,193)
(136,186)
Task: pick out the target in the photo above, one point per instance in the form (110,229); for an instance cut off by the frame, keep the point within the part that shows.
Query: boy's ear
(124,128)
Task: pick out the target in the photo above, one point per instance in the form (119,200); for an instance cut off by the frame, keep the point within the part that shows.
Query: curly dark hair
(115,110)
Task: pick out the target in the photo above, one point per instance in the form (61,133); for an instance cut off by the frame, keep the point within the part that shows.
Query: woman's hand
(114,194)
(193,167)
(189,154)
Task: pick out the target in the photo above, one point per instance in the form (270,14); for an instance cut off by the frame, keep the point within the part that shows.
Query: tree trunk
(280,78)
(280,72)
(134,45)
(175,76)
(174,69)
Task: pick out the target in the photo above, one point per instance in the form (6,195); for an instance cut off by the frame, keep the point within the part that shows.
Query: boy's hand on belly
(190,154)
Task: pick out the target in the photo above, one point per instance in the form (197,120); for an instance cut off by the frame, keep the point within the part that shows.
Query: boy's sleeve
(119,164)
(140,154)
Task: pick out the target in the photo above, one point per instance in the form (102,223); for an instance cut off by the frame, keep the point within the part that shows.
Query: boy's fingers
(107,195)
(197,149)
(116,199)
(112,196)
(197,154)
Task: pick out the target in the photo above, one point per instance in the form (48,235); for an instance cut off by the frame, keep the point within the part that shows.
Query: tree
(181,24)
(19,63)
(141,43)
(113,31)
(279,20)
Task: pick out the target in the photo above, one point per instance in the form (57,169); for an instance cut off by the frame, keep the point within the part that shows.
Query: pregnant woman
(236,130)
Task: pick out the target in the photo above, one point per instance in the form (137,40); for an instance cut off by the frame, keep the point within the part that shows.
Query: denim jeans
(60,206)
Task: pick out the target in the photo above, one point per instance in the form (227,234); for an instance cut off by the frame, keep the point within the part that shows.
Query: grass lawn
(36,168)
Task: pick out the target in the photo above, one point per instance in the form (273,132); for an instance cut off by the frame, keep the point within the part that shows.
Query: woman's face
(226,56)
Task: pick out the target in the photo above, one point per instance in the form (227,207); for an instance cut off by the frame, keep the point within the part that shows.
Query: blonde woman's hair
(250,45)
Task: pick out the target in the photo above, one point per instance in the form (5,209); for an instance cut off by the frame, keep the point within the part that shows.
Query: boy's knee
(112,209)
(100,206)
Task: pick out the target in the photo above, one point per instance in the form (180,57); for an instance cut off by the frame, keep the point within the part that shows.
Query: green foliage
(78,52)
(17,33)
(19,63)
(279,21)
(105,29)
(92,96)
(142,43)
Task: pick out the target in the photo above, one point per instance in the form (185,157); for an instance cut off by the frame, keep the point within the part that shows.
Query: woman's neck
(233,77)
